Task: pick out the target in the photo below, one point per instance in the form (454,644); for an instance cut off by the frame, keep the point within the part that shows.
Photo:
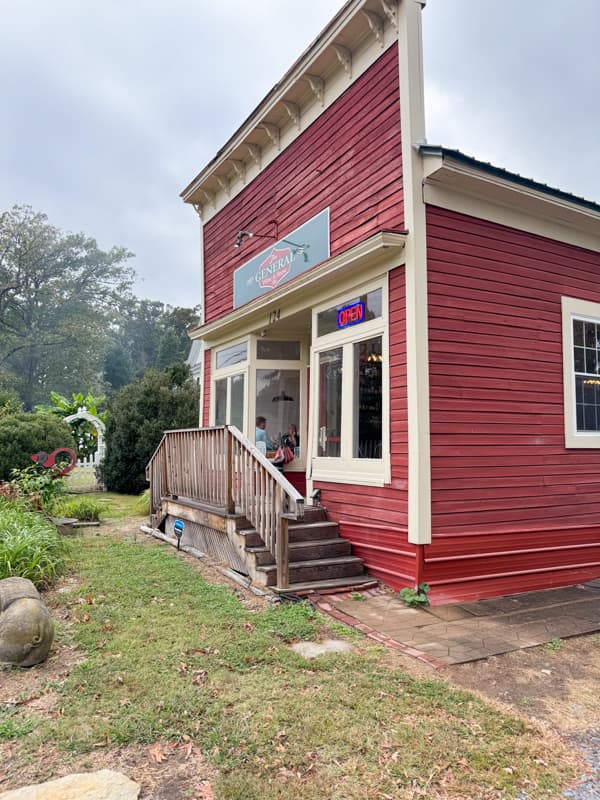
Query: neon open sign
(351,315)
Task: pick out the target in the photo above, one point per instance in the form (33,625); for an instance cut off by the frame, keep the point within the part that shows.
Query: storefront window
(278,400)
(329,321)
(367,399)
(221,401)
(230,356)
(330,403)
(269,350)
(229,401)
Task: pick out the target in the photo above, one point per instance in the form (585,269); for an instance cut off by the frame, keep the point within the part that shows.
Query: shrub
(23,434)
(138,417)
(30,546)
(38,486)
(83,508)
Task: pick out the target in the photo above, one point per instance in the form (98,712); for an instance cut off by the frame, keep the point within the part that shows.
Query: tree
(138,416)
(58,295)
(148,335)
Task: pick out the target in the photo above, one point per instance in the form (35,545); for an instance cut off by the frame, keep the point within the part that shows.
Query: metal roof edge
(501,172)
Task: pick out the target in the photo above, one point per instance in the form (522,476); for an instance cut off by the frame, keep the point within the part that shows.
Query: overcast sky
(110,108)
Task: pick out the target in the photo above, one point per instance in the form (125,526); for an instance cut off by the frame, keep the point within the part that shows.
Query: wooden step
(320,569)
(306,531)
(335,584)
(313,514)
(305,551)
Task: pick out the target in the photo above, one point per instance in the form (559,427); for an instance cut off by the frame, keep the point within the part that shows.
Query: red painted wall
(349,159)
(375,519)
(512,508)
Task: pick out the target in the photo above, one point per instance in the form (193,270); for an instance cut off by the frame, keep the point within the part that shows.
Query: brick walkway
(455,634)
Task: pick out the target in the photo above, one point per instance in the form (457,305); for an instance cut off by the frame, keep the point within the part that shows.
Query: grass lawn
(169,656)
(115,505)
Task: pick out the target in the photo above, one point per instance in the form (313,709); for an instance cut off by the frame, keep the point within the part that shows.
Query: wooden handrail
(221,467)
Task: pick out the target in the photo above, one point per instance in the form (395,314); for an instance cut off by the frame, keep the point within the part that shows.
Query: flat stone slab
(316,649)
(462,632)
(106,784)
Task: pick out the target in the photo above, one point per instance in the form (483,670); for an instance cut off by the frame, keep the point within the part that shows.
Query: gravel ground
(589,788)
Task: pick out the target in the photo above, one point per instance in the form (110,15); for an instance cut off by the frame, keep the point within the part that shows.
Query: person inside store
(292,438)
(262,435)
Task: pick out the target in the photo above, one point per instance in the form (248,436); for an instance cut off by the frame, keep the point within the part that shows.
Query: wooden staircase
(319,558)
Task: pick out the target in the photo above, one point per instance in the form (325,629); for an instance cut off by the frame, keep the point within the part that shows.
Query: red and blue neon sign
(351,315)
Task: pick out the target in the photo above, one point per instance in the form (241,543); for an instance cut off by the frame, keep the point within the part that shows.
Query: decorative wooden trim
(293,109)
(317,85)
(391,11)
(344,57)
(239,168)
(223,183)
(376,23)
(255,153)
(272,132)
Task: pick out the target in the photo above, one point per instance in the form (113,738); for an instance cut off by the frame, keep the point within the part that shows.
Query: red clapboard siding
(512,508)
(205,419)
(349,159)
(375,519)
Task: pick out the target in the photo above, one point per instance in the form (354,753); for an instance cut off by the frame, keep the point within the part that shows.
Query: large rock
(103,785)
(26,628)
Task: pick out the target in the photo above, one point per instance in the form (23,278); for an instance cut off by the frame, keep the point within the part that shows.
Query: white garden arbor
(84,477)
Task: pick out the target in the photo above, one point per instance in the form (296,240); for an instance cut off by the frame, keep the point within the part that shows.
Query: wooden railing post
(282,557)
(229,467)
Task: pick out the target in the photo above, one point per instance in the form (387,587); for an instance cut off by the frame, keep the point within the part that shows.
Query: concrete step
(305,551)
(334,584)
(306,531)
(319,569)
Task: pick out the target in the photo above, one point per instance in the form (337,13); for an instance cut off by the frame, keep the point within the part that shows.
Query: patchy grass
(11,728)
(115,506)
(170,656)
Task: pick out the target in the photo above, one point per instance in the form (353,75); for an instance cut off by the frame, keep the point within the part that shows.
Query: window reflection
(367,398)
(330,403)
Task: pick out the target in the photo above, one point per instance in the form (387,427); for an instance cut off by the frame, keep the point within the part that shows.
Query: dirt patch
(165,771)
(556,684)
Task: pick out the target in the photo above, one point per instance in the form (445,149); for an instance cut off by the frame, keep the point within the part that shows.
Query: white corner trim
(412,118)
(574,309)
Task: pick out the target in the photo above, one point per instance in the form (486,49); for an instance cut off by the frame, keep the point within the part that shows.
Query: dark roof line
(500,172)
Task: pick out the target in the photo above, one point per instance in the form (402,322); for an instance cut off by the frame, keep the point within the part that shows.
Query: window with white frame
(230,379)
(351,389)
(581,372)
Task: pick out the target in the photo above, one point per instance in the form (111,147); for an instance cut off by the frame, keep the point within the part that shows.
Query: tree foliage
(138,416)
(148,335)
(84,433)
(23,434)
(58,294)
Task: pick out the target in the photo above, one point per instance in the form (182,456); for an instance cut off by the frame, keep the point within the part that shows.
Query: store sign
(351,315)
(299,251)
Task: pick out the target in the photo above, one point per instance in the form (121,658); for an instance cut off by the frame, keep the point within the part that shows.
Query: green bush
(83,508)
(142,504)
(138,417)
(39,487)
(22,435)
(30,546)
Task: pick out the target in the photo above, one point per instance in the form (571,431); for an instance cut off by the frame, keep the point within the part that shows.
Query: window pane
(579,359)
(278,401)
(220,401)
(237,401)
(327,321)
(591,361)
(232,355)
(330,403)
(578,333)
(277,351)
(367,399)
(587,393)
(590,334)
